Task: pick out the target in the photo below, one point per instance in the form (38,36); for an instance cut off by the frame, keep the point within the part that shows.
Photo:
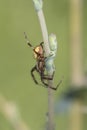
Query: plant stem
(47,51)
(44,31)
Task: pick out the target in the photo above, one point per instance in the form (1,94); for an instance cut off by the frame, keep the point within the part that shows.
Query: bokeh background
(16,61)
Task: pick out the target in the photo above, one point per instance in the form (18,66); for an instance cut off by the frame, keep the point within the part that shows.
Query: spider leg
(42,44)
(29,44)
(45,84)
(55,88)
(32,74)
(45,77)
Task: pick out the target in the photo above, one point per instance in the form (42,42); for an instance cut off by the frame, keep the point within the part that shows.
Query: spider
(40,65)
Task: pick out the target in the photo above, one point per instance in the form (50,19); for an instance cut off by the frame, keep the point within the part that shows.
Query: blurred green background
(16,60)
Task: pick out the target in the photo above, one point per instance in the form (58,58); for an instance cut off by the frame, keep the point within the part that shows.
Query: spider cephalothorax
(40,66)
(38,50)
(39,56)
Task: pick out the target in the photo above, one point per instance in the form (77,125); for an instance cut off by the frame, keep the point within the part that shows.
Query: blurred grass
(16,58)
(4,124)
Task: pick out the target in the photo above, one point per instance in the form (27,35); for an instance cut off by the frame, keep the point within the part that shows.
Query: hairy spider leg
(55,88)
(58,84)
(47,86)
(45,77)
(42,44)
(32,74)
(29,44)
(42,77)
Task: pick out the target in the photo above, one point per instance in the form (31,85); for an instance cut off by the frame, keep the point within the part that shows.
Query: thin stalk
(38,6)
(44,31)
